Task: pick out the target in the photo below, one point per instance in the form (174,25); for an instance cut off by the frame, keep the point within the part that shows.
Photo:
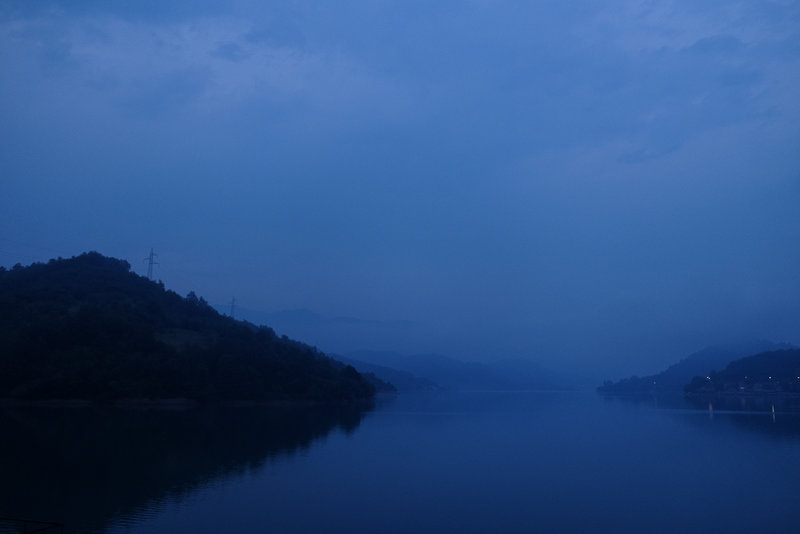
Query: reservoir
(438,462)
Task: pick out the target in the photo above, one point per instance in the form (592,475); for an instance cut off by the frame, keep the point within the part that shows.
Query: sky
(599,186)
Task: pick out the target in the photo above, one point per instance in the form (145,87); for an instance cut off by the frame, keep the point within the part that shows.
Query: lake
(446,462)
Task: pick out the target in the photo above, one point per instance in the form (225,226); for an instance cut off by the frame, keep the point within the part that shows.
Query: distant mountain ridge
(452,374)
(699,363)
(306,317)
(340,334)
(89,328)
(402,380)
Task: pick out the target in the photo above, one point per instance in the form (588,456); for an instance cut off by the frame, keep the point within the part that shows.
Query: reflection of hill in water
(85,467)
(745,403)
(773,416)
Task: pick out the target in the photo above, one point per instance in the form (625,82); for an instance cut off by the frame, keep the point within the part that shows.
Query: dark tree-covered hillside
(89,328)
(775,371)
(675,377)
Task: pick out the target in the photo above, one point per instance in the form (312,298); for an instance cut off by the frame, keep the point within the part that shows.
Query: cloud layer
(591,185)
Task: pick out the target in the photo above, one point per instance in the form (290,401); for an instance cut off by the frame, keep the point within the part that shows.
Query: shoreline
(174,403)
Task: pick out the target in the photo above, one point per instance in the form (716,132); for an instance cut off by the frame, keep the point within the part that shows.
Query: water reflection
(742,403)
(85,467)
(767,415)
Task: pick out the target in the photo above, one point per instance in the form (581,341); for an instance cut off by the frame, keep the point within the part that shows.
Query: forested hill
(89,328)
(775,371)
(702,362)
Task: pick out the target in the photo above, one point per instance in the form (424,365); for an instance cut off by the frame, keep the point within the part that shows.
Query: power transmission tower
(233,307)
(150,262)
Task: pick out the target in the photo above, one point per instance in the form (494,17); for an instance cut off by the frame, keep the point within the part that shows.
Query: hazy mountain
(402,380)
(450,373)
(700,363)
(340,334)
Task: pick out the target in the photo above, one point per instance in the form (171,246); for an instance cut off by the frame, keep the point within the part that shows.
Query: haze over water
(449,462)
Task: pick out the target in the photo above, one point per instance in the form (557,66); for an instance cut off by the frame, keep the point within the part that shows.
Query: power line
(149,259)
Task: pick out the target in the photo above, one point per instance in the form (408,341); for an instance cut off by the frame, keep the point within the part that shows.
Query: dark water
(467,462)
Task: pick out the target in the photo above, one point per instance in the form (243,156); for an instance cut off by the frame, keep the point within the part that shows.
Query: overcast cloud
(603,186)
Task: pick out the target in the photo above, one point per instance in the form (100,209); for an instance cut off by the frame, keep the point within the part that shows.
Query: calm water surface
(454,462)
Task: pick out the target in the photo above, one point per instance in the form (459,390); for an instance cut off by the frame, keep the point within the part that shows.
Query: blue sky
(603,186)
